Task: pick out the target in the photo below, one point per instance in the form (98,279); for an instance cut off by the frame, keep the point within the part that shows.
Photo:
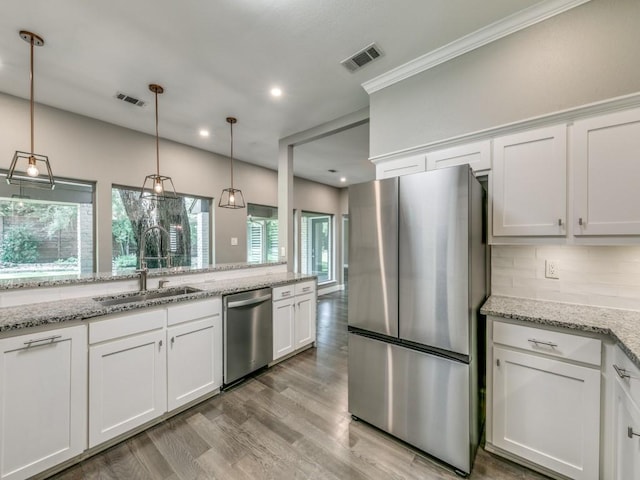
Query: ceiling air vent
(360,59)
(129,99)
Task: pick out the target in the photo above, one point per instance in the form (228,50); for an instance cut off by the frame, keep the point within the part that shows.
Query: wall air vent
(129,99)
(361,58)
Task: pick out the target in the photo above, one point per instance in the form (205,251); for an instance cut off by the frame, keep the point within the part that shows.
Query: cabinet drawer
(117,326)
(305,287)
(286,291)
(563,345)
(628,374)
(187,311)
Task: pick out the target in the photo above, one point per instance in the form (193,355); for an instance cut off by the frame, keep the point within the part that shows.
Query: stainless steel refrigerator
(416,284)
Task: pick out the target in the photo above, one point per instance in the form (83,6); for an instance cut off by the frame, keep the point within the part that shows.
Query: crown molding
(495,31)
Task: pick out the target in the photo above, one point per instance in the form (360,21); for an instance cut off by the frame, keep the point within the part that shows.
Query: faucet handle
(163,283)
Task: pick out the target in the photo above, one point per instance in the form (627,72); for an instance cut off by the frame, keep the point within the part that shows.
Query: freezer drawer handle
(631,433)
(540,342)
(622,372)
(48,340)
(251,301)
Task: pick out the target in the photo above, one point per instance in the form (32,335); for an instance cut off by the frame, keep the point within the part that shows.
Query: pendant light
(157,187)
(31,177)
(231,197)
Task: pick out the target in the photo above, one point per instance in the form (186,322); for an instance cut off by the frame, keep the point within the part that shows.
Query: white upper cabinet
(606,162)
(530,183)
(477,155)
(401,166)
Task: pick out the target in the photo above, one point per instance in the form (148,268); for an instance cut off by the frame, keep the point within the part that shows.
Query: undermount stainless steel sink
(149,295)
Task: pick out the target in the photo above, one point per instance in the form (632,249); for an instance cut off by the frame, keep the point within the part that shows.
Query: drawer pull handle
(631,433)
(622,372)
(286,294)
(42,341)
(559,222)
(306,289)
(540,342)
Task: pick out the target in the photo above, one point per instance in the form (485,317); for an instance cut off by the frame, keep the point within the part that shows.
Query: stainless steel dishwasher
(248,333)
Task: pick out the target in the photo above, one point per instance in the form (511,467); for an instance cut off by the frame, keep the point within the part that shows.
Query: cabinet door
(43,400)
(477,155)
(606,159)
(283,327)
(305,320)
(401,166)
(127,384)
(547,412)
(529,190)
(194,366)
(627,436)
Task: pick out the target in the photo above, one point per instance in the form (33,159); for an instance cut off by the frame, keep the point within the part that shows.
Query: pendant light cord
(31,93)
(157,140)
(231,126)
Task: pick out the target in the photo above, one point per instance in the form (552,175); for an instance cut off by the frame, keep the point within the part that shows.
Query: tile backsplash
(589,275)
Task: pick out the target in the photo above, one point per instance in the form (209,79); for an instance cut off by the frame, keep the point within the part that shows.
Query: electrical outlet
(234,241)
(551,269)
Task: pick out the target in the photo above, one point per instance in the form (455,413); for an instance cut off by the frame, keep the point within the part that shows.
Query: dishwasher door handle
(250,301)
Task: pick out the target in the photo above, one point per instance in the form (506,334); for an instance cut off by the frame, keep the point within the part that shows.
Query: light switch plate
(234,241)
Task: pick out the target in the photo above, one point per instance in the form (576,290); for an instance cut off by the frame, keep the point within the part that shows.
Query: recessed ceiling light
(343,179)
(276,92)
(204,133)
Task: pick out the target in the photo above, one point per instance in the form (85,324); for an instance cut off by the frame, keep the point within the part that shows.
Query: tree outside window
(186,219)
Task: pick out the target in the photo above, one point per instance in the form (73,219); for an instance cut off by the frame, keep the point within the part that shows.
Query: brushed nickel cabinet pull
(42,341)
(540,342)
(580,222)
(622,372)
(631,433)
(559,222)
(497,362)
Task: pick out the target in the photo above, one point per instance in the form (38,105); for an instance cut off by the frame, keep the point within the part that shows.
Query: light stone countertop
(62,280)
(623,326)
(38,314)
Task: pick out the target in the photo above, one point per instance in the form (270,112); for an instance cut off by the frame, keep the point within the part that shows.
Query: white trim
(331,289)
(492,32)
(563,116)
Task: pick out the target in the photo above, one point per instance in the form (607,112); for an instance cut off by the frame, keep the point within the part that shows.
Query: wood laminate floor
(288,422)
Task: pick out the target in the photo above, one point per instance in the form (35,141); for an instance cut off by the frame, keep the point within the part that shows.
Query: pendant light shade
(34,164)
(157,187)
(231,197)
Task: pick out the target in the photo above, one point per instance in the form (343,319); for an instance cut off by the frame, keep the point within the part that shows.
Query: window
(46,232)
(262,233)
(187,221)
(316,231)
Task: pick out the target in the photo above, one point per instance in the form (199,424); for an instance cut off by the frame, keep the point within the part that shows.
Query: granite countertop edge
(623,326)
(85,308)
(11,284)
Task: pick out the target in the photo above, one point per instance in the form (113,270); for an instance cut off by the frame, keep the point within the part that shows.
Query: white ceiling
(218,58)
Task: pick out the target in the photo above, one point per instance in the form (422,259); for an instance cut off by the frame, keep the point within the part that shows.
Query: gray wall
(86,149)
(584,55)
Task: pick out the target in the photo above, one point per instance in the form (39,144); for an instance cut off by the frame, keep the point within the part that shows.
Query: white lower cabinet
(305,320)
(283,327)
(626,436)
(545,405)
(194,354)
(43,409)
(127,373)
(294,317)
